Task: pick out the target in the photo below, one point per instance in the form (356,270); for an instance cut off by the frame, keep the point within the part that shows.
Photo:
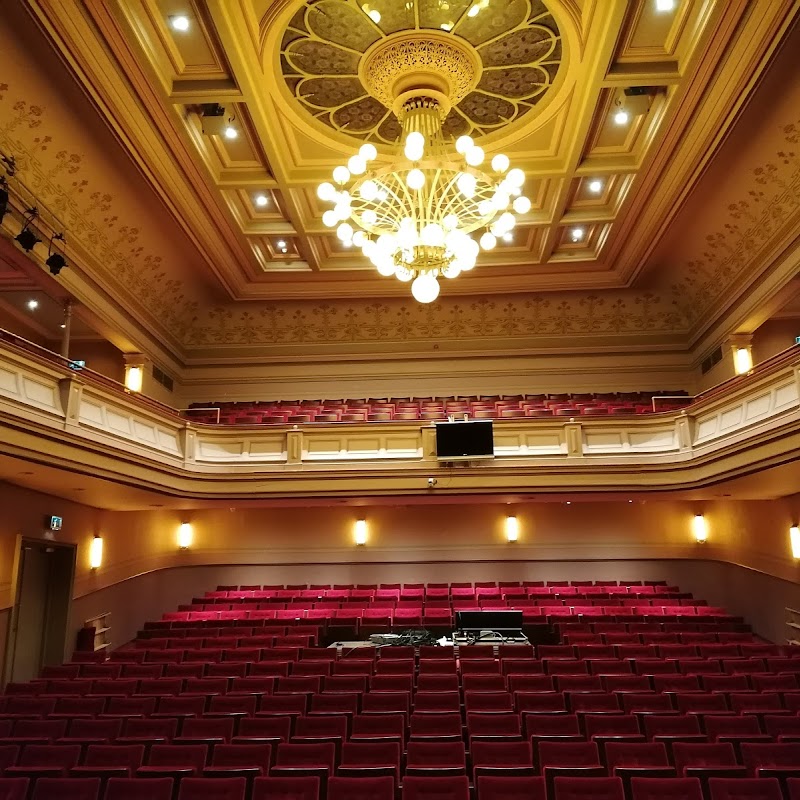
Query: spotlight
(27,239)
(262,200)
(621,116)
(231,132)
(56,263)
(3,199)
(32,305)
(595,186)
(665,5)
(577,234)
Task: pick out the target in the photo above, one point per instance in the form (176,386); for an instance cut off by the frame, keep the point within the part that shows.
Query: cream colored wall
(100,357)
(440,374)
(774,336)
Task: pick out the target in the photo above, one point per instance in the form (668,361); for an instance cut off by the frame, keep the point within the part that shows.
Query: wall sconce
(96,553)
(700,528)
(512,529)
(794,541)
(133,378)
(361,531)
(185,534)
(742,360)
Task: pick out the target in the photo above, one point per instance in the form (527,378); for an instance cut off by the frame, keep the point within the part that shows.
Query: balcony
(82,422)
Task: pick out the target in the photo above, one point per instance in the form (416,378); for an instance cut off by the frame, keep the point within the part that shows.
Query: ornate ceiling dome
(347,61)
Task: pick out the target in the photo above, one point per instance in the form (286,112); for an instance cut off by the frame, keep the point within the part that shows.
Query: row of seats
(565,405)
(682,700)
(383,787)
(649,586)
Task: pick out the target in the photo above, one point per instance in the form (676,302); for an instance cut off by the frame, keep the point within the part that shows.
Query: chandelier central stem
(422,115)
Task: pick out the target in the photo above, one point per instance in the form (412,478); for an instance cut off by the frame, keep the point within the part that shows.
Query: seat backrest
(66,789)
(377,788)
(178,755)
(115,755)
(496,787)
(212,789)
(305,787)
(435,788)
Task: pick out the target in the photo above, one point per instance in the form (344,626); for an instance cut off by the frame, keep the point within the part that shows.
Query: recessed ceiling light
(508,237)
(179,23)
(372,13)
(569,502)
(231,132)
(665,5)
(281,244)
(32,305)
(621,116)
(63,326)
(262,200)
(595,185)
(577,234)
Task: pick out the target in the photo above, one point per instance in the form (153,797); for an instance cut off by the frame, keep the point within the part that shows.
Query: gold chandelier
(414,218)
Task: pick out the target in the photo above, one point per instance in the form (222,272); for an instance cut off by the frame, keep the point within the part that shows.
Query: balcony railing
(42,396)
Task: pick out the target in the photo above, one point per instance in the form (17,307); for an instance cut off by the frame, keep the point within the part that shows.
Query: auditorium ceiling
(201,248)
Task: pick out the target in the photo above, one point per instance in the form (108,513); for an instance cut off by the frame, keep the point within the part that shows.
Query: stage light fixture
(26,237)
(3,198)
(55,261)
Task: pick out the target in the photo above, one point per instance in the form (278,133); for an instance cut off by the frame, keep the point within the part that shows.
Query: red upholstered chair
(364,759)
(212,789)
(501,757)
(300,787)
(744,789)
(666,789)
(13,788)
(435,788)
(362,788)
(502,787)
(435,758)
(569,788)
(703,760)
(66,789)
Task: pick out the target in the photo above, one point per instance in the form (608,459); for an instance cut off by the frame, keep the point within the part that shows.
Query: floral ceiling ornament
(514,48)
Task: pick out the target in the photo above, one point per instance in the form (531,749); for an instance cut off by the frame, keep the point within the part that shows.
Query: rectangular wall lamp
(512,529)
(185,535)
(96,553)
(794,541)
(361,532)
(700,528)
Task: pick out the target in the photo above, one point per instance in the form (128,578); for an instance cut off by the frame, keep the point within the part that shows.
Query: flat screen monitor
(495,620)
(464,440)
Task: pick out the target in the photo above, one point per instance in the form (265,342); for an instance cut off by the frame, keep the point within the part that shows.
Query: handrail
(769,365)
(70,367)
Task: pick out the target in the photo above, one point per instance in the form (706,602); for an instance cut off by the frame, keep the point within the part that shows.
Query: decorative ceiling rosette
(509,55)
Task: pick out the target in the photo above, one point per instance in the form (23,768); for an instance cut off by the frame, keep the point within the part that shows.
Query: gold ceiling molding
(336,58)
